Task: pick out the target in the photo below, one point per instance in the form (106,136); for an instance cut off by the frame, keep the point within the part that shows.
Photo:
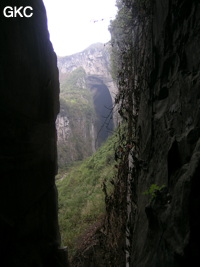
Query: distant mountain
(87,94)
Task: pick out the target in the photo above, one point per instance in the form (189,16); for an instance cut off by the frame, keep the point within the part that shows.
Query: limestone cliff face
(87,91)
(95,60)
(76,121)
(29,104)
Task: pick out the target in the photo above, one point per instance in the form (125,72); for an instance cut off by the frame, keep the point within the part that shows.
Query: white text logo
(13,12)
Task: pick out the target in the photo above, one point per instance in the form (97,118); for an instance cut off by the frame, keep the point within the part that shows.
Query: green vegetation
(76,103)
(121,41)
(75,94)
(152,190)
(81,199)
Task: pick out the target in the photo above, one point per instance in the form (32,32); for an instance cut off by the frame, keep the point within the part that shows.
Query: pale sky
(75,24)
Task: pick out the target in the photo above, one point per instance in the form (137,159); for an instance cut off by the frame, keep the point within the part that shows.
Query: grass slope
(81,199)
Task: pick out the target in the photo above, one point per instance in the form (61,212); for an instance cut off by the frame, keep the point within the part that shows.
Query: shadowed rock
(29,104)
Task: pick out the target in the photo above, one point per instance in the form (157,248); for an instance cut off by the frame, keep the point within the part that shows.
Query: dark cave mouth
(103,107)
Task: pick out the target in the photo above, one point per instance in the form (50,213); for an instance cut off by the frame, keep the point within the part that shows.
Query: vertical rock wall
(166,229)
(29,92)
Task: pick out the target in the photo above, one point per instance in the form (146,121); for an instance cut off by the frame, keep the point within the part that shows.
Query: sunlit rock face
(96,62)
(29,104)
(87,96)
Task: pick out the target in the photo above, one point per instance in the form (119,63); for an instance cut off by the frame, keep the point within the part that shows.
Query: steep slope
(76,121)
(86,118)
(81,198)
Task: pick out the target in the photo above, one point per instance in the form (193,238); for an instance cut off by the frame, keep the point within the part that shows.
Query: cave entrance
(103,107)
